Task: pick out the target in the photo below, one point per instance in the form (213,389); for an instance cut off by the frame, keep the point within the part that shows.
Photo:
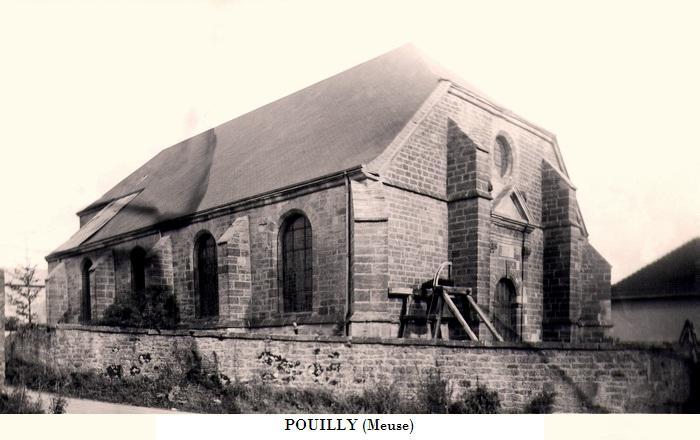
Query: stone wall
(653,319)
(576,278)
(247,256)
(2,329)
(444,164)
(586,378)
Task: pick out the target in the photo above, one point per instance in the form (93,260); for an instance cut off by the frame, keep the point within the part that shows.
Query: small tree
(24,289)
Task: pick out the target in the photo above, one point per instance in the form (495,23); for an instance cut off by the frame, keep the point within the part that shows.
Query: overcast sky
(91,90)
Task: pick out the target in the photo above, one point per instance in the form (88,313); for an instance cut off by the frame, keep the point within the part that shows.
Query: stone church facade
(302,215)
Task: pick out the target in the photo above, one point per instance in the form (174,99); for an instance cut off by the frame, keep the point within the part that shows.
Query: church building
(303,215)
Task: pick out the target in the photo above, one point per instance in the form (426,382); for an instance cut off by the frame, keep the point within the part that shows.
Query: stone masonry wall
(2,329)
(576,278)
(586,378)
(326,212)
(561,259)
(170,264)
(469,212)
(159,266)
(235,271)
(596,308)
(444,163)
(64,283)
(102,283)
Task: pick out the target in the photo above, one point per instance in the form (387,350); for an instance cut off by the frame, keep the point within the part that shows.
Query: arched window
(505,310)
(138,271)
(296,256)
(206,276)
(85,304)
(502,157)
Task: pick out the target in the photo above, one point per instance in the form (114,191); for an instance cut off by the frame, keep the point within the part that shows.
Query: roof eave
(290,190)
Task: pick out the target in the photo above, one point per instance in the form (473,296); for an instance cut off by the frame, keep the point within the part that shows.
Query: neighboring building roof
(675,274)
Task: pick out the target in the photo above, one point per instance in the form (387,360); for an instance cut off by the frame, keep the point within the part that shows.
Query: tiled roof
(337,124)
(96,222)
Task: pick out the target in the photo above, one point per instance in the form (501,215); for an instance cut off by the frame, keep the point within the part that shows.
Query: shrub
(122,314)
(34,376)
(12,323)
(434,394)
(382,399)
(479,400)
(19,403)
(541,403)
(160,309)
(156,309)
(58,405)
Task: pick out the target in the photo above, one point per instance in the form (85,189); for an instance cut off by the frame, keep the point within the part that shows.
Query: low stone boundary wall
(2,329)
(585,377)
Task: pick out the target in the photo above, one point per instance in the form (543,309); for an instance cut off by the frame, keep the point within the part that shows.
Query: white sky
(91,90)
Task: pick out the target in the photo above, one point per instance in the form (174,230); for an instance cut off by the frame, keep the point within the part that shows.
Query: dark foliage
(19,403)
(479,400)
(58,405)
(156,309)
(541,403)
(12,323)
(434,394)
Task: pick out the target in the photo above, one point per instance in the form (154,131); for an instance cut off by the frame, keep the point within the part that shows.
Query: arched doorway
(505,310)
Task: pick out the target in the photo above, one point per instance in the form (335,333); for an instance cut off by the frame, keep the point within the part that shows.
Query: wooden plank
(455,290)
(438,322)
(398,292)
(483,317)
(455,311)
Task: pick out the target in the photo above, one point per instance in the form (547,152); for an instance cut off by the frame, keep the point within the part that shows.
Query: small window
(502,158)
(297,268)
(138,271)
(85,303)
(206,276)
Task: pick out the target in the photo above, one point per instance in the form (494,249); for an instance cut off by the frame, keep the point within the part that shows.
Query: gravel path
(85,406)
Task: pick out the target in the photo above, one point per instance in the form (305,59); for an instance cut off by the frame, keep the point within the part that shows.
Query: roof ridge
(675,250)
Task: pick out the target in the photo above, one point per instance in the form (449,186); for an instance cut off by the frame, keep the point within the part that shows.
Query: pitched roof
(337,124)
(96,222)
(675,274)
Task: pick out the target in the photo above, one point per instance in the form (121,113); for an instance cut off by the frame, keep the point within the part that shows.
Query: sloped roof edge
(676,270)
(255,200)
(96,223)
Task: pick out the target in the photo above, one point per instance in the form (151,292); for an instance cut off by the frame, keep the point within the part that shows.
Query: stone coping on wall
(236,334)
(303,318)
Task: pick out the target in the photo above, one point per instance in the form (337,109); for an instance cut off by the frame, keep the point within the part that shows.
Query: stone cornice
(484,104)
